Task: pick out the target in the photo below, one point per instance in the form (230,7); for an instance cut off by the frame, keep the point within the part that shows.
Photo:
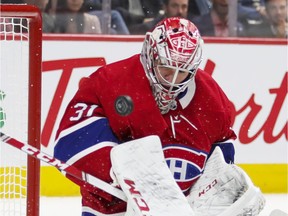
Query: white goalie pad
(224,190)
(145,178)
(278,212)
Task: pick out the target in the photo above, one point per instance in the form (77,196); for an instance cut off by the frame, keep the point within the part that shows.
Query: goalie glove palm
(224,189)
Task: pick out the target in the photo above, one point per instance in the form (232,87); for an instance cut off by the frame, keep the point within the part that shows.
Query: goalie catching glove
(224,190)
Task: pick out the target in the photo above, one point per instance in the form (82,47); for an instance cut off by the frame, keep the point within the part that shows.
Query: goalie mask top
(170,55)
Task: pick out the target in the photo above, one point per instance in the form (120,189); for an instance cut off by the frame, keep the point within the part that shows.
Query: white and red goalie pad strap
(145,178)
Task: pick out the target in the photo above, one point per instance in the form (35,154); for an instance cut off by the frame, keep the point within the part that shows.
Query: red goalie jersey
(91,126)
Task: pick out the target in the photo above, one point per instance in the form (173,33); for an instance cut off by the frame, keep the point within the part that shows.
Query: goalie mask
(170,55)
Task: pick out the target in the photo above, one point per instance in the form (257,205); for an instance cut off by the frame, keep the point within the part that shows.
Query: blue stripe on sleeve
(83,138)
(227,149)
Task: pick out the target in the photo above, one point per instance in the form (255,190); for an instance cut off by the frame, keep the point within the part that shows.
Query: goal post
(20,106)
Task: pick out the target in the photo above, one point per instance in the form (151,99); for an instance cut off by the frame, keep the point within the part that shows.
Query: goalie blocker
(141,171)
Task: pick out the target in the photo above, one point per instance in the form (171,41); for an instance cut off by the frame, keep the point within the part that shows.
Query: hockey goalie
(160,128)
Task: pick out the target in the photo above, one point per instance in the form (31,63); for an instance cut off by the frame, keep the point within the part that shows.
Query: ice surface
(59,206)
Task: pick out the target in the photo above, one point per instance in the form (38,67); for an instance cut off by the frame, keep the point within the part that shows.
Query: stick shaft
(82,177)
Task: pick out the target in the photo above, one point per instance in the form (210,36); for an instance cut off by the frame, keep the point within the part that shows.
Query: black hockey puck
(123,105)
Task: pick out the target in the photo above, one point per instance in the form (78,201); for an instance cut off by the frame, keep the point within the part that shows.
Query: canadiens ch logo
(186,164)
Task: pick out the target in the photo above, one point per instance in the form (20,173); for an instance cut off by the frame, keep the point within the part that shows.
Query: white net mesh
(14,75)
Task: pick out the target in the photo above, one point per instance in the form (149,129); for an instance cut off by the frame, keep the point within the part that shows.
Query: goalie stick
(86,179)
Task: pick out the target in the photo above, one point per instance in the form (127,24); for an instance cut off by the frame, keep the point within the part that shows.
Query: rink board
(253,73)
(271,178)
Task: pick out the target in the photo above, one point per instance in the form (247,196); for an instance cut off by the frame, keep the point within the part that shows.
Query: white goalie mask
(170,55)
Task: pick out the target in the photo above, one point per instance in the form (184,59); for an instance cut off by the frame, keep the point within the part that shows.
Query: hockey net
(20,99)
